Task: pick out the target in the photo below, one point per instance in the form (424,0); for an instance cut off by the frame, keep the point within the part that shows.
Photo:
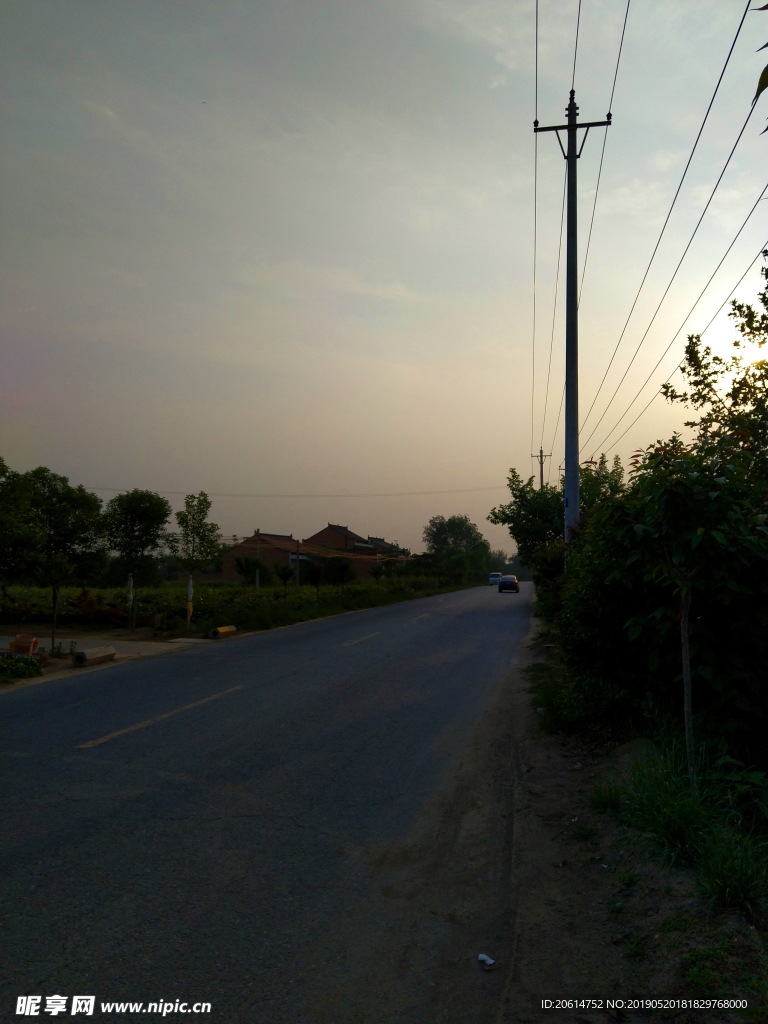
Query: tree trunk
(55,617)
(687,701)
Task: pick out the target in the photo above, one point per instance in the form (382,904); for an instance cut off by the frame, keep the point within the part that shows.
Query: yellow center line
(349,643)
(151,721)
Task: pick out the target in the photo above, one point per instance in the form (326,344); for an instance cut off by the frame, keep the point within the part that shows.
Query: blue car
(509,583)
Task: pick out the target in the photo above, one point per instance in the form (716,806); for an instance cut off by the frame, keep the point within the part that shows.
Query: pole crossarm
(565,127)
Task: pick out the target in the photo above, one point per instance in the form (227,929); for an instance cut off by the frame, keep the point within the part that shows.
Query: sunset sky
(286,247)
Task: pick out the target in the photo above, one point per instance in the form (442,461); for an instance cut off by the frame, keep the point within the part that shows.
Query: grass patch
(721,830)
(731,872)
(705,968)
(607,797)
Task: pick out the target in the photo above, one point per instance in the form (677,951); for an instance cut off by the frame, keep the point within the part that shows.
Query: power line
(669,213)
(554,306)
(557,424)
(383,494)
(602,152)
(535,217)
(576,47)
(760,251)
(674,275)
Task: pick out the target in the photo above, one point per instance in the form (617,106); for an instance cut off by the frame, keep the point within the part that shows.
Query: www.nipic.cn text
(33,1006)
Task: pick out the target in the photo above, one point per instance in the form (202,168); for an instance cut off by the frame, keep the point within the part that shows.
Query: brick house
(284,548)
(341,538)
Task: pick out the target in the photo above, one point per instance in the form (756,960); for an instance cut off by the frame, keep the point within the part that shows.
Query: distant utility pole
(258,559)
(572,311)
(540,459)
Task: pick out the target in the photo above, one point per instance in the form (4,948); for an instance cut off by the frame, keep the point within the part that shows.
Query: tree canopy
(455,533)
(135,525)
(197,544)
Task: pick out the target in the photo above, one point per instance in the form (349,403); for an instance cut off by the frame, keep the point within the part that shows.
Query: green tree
(339,572)
(456,533)
(315,572)
(731,394)
(377,572)
(68,522)
(135,523)
(246,567)
(285,574)
(197,544)
(693,524)
(499,561)
(534,516)
(459,548)
(19,538)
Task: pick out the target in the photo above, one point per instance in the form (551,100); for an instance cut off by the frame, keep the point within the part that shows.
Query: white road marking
(424,616)
(350,643)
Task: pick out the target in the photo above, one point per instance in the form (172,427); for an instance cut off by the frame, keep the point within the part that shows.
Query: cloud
(665,160)
(106,111)
(500,29)
(296,279)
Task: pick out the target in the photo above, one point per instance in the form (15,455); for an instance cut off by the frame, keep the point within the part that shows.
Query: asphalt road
(206,854)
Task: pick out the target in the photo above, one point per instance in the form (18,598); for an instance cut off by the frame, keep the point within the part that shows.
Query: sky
(286,247)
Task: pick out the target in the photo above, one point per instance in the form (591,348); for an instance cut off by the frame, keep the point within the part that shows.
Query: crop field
(163,607)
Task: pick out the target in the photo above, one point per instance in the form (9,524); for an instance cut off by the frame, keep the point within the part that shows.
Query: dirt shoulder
(596,912)
(508,860)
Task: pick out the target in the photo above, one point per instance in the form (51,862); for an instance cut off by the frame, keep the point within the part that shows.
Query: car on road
(494,578)
(509,583)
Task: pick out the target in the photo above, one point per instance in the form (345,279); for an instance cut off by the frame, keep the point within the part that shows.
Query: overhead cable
(535,216)
(752,262)
(674,275)
(554,306)
(669,213)
(576,47)
(383,494)
(602,152)
(557,424)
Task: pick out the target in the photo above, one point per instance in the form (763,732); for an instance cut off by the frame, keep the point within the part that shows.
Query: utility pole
(572,310)
(258,559)
(540,459)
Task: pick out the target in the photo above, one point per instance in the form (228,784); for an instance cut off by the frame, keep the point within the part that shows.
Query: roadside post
(189,600)
(129,601)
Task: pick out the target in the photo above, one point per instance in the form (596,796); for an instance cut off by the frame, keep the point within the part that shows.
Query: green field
(163,607)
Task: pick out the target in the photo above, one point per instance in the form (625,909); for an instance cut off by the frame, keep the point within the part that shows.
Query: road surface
(194,827)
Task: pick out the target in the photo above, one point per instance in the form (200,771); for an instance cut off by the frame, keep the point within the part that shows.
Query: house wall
(265,549)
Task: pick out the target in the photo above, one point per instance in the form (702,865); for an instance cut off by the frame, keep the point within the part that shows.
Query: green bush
(19,666)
